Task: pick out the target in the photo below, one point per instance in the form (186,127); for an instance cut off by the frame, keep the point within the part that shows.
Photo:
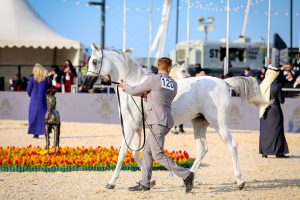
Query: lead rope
(122,124)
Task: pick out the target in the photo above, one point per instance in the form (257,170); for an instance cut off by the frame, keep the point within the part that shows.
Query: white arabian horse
(203,100)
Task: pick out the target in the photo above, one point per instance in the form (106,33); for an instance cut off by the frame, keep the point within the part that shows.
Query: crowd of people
(59,79)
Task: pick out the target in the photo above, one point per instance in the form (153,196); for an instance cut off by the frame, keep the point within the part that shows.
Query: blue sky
(74,20)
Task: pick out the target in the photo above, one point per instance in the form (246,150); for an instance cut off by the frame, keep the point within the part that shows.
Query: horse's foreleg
(47,138)
(121,156)
(232,146)
(137,145)
(200,126)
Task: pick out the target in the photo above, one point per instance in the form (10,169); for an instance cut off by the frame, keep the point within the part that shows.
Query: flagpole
(124,26)
(187,50)
(150,34)
(269,28)
(226,64)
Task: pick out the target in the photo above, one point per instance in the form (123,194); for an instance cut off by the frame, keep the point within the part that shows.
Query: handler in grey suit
(160,90)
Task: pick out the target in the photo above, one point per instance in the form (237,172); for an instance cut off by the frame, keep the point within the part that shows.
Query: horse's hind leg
(58,135)
(200,126)
(55,138)
(232,146)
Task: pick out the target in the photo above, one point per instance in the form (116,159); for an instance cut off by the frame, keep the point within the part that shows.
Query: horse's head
(51,100)
(179,72)
(99,66)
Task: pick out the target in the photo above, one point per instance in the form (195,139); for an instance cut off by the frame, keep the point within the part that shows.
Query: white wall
(103,108)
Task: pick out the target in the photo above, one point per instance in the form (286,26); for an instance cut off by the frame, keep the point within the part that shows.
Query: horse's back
(204,85)
(200,96)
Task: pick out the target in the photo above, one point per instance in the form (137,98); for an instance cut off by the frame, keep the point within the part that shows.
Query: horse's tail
(247,88)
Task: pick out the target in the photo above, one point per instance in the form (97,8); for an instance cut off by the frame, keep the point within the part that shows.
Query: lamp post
(102,18)
(206,25)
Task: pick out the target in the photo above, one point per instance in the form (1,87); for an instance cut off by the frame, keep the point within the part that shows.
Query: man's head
(164,64)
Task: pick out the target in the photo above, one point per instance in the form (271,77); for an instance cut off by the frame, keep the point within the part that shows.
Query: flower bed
(35,159)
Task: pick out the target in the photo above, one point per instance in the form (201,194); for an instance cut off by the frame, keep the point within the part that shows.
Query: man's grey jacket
(162,90)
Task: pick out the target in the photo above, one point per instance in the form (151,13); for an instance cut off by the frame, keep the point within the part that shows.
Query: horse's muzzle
(89,81)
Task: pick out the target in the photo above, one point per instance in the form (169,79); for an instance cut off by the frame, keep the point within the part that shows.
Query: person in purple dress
(37,91)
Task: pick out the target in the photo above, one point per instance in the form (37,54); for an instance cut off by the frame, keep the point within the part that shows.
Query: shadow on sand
(256,185)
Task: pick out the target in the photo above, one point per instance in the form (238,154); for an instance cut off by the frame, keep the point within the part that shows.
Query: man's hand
(144,95)
(122,84)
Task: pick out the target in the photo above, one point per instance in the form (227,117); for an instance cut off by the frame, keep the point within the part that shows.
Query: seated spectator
(290,78)
(296,64)
(262,74)
(289,74)
(248,72)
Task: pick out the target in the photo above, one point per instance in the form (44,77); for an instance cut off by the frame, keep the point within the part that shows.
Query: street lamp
(102,18)
(206,25)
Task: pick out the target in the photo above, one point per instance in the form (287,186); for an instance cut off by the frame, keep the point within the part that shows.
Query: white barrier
(103,108)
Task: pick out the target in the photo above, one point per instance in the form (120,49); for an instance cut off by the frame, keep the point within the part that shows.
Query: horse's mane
(133,69)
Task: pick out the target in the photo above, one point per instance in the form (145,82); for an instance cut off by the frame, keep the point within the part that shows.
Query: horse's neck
(124,68)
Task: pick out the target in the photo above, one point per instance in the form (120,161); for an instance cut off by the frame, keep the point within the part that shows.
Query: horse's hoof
(110,186)
(241,185)
(152,183)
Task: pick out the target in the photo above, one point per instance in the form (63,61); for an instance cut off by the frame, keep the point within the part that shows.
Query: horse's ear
(94,47)
(51,92)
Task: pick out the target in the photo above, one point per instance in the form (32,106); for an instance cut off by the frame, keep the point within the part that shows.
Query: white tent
(25,39)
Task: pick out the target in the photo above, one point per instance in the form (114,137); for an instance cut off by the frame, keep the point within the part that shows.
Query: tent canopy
(21,27)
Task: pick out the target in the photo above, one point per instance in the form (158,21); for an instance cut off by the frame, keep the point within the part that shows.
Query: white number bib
(167,83)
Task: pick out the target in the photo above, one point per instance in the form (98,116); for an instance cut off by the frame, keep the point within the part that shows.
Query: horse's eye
(95,62)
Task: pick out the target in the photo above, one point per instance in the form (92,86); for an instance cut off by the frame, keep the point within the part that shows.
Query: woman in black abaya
(272,140)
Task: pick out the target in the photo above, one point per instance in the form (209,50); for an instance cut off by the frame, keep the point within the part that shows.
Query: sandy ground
(270,178)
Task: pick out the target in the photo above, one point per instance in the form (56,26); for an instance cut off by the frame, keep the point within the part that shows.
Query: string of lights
(204,5)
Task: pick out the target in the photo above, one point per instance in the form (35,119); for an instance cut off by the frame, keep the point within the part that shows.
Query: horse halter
(95,63)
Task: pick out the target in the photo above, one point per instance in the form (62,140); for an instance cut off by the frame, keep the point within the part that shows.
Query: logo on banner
(235,115)
(5,107)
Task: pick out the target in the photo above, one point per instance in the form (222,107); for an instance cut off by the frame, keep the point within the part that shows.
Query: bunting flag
(279,51)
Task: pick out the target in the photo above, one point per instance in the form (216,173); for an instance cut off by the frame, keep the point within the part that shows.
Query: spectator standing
(37,91)
(24,83)
(272,140)
(55,79)
(15,83)
(69,73)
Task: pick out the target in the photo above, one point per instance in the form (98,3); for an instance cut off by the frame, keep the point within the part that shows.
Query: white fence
(103,108)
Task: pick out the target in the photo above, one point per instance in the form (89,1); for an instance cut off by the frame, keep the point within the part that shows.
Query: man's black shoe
(189,183)
(138,187)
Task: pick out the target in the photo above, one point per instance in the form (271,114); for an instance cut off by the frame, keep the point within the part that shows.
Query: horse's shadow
(254,185)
